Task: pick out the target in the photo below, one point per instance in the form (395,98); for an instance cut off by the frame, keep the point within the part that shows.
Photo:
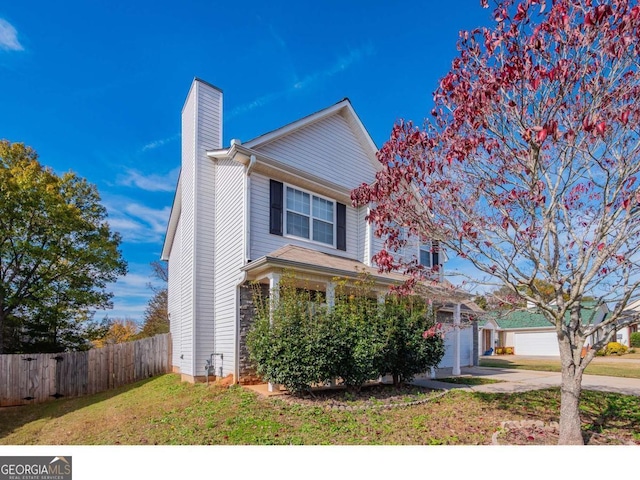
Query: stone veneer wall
(247,371)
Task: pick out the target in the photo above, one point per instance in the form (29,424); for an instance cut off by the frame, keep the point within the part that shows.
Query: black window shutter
(435,253)
(275,212)
(341,227)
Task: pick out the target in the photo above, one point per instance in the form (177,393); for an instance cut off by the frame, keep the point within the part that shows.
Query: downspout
(247,210)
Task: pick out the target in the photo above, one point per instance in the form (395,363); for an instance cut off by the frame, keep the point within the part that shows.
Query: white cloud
(137,223)
(131,294)
(152,182)
(9,37)
(156,218)
(342,63)
(159,143)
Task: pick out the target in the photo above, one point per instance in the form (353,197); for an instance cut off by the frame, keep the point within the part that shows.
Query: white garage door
(537,344)
(466,349)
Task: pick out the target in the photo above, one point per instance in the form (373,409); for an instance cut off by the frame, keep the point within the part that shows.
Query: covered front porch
(324,274)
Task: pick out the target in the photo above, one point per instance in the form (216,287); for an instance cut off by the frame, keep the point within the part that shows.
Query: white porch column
(494,341)
(274,295)
(330,295)
(456,339)
(382,296)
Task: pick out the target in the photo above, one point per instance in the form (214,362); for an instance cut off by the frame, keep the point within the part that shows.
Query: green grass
(599,366)
(165,411)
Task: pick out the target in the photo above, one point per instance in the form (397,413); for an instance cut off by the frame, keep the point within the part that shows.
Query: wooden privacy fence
(42,377)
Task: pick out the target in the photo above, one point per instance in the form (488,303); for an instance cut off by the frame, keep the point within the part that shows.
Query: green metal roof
(532,318)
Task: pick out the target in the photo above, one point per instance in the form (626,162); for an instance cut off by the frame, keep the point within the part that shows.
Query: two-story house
(252,210)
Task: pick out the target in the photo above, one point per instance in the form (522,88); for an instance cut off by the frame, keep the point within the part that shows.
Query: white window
(309,216)
(425,255)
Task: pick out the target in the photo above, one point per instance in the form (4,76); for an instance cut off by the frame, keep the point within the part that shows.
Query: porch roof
(314,262)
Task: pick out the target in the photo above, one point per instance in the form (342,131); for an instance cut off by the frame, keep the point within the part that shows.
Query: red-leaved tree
(528,168)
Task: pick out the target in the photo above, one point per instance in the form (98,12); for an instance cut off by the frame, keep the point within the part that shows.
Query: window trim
(285,211)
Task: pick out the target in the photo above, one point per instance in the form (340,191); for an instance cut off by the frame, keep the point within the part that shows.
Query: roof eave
(172,226)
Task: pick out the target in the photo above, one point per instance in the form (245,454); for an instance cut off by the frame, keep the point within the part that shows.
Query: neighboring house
(249,211)
(630,323)
(528,331)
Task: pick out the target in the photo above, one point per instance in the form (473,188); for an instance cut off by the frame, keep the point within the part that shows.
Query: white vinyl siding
(262,242)
(466,348)
(187,234)
(208,137)
(229,257)
(174,298)
(327,148)
(362,230)
(201,131)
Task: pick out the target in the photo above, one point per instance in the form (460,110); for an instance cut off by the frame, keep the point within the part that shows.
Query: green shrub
(615,348)
(407,352)
(635,339)
(292,345)
(299,344)
(356,326)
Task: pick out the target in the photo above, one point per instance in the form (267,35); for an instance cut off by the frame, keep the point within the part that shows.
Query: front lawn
(165,411)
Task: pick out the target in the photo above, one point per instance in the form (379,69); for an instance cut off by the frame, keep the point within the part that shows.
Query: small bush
(615,348)
(635,339)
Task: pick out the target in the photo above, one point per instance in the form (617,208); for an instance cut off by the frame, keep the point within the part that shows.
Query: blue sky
(97,86)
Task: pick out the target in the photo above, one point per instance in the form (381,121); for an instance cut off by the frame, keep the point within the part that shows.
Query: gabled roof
(532,318)
(343,108)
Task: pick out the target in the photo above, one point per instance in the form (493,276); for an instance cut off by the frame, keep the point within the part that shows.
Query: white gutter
(247,210)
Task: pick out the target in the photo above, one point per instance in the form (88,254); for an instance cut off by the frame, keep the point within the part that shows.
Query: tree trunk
(571,388)
(2,326)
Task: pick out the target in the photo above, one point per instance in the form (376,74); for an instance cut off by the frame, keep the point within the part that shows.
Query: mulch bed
(369,396)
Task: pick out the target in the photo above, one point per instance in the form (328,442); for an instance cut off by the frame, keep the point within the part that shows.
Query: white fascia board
(176,209)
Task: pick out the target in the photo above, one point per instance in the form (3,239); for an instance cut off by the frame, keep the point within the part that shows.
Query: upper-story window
(425,255)
(309,216)
(430,254)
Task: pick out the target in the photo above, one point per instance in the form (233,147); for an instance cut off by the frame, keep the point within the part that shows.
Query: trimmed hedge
(298,343)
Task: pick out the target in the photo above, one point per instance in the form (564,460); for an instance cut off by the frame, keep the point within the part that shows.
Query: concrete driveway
(513,380)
